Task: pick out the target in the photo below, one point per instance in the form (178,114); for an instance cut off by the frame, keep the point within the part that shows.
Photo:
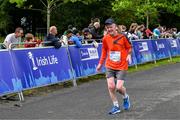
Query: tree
(19,2)
(5,17)
(147,8)
(51,5)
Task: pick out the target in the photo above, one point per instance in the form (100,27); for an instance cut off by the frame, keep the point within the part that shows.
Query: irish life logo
(89,53)
(159,45)
(42,60)
(143,46)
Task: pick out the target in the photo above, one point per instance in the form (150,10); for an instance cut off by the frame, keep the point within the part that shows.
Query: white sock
(125,95)
(115,103)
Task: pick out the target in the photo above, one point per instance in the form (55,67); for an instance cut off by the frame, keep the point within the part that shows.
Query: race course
(154,94)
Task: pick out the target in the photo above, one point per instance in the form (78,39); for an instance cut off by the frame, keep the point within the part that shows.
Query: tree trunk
(147,21)
(48,18)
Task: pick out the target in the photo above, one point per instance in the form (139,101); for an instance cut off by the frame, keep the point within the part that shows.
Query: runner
(117,48)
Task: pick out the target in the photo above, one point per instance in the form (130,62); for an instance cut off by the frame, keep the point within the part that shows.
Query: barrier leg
(155,62)
(170,56)
(72,70)
(154,56)
(136,66)
(21,97)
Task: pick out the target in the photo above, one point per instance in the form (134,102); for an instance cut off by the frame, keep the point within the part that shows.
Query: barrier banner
(85,59)
(39,67)
(174,46)
(133,58)
(161,48)
(143,51)
(178,45)
(9,82)
(22,69)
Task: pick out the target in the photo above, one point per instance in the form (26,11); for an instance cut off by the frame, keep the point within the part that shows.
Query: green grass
(151,65)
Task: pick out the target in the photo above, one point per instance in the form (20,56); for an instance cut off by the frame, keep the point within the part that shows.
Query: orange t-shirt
(115,54)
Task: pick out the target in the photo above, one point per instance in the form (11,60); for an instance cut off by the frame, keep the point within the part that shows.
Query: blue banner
(9,82)
(174,46)
(22,69)
(179,45)
(143,51)
(85,59)
(39,67)
(133,58)
(161,48)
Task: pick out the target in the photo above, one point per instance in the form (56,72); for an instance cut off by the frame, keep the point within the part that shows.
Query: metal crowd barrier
(27,63)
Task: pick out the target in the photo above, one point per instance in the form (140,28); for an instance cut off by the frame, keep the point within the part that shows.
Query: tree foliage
(51,5)
(19,3)
(79,12)
(143,8)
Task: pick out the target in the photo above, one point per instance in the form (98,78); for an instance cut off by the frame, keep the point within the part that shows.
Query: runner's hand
(129,59)
(98,68)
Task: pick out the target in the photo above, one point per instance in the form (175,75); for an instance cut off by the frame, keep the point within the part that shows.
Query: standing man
(116,50)
(52,39)
(13,38)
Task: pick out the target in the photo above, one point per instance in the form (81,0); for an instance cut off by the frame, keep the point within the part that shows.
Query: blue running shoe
(126,103)
(114,110)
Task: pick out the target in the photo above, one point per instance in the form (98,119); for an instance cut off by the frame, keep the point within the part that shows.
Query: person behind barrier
(131,33)
(29,40)
(87,35)
(54,41)
(139,31)
(116,51)
(157,33)
(74,39)
(13,38)
(149,33)
(95,31)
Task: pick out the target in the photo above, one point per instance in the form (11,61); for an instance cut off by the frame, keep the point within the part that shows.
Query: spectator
(54,41)
(131,34)
(86,34)
(78,34)
(29,40)
(174,33)
(93,20)
(149,33)
(91,24)
(13,38)
(95,31)
(74,39)
(121,29)
(139,31)
(157,32)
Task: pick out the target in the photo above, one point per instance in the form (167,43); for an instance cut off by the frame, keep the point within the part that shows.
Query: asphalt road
(154,94)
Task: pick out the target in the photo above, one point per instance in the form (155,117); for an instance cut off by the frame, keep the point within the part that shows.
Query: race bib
(115,56)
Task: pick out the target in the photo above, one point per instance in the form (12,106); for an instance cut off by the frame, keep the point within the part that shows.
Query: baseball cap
(109,21)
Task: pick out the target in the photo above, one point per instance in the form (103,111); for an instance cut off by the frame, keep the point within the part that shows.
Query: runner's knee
(111,85)
(119,85)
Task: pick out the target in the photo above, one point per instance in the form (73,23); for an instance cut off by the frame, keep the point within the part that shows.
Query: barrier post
(154,58)
(72,70)
(170,56)
(133,51)
(20,94)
